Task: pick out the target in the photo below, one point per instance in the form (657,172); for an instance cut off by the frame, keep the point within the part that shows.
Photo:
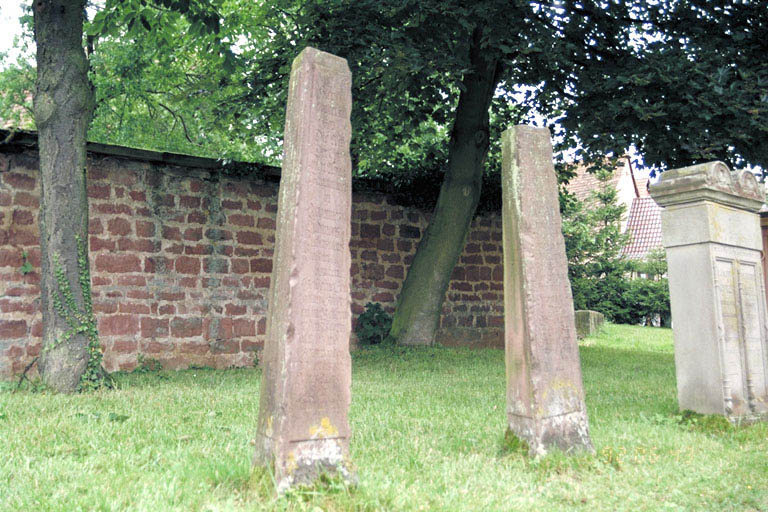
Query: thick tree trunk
(63,110)
(417,315)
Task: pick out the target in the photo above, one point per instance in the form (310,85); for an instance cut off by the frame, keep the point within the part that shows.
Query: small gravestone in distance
(305,389)
(545,397)
(711,232)
(588,322)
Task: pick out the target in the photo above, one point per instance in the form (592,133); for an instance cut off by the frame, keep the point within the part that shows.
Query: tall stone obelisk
(305,389)
(545,396)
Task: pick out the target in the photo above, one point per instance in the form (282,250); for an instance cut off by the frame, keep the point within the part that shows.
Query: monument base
(568,433)
(305,461)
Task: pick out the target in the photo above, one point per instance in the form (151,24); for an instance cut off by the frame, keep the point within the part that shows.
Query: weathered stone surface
(305,390)
(711,233)
(545,397)
(588,322)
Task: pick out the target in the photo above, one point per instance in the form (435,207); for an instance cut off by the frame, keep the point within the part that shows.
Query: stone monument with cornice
(711,233)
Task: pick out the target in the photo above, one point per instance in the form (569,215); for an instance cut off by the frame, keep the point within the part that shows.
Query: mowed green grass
(428,434)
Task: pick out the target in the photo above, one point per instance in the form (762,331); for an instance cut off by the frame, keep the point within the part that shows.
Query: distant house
(643,217)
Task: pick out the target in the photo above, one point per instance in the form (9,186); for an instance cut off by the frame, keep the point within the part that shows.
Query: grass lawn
(428,428)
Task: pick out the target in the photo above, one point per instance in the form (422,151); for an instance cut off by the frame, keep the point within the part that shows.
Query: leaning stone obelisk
(305,389)
(711,230)
(545,396)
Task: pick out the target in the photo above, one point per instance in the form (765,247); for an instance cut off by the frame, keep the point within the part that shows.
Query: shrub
(373,325)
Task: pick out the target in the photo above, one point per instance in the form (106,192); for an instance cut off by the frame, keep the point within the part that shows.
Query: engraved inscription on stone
(713,242)
(545,397)
(303,428)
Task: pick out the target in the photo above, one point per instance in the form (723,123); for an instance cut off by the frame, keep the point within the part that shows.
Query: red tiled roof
(644,226)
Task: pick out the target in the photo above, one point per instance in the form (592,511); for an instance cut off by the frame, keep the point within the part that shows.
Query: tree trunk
(63,108)
(417,315)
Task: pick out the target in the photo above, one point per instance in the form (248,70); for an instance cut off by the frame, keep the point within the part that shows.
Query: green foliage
(26,267)
(373,325)
(80,321)
(593,242)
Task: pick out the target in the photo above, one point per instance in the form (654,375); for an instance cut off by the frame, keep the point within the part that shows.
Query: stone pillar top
(711,181)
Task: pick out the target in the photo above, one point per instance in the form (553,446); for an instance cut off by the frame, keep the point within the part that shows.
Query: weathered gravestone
(711,233)
(588,322)
(545,397)
(305,389)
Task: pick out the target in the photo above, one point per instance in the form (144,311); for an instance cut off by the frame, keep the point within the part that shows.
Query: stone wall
(181,257)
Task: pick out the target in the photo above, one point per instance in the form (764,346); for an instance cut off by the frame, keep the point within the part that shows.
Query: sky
(10,11)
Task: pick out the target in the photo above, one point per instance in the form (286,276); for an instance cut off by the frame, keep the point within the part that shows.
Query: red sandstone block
(199,249)
(16,306)
(267,223)
(171,296)
(22,218)
(11,258)
(166,309)
(5,198)
(235,309)
(485,273)
(391,257)
(195,185)
(23,237)
(271,208)
(472,248)
(493,259)
(239,219)
(95,227)
(98,244)
(496,321)
(187,265)
(240,266)
(243,327)
(461,286)
(230,204)
(113,209)
(387,285)
(193,234)
(498,273)
(133,308)
(98,191)
(388,229)
(383,297)
(138,196)
(109,262)
(186,327)
(118,325)
(472,273)
(145,229)
(370,231)
(472,259)
(119,192)
(378,215)
(171,233)
(154,264)
(154,327)
(385,244)
(259,282)
(261,265)
(105,307)
(174,249)
(124,346)
(253,205)
(407,231)
(143,245)
(189,282)
(143,212)
(225,346)
(155,347)
(189,202)
(26,199)
(369,256)
(194,348)
(119,226)
(249,238)
(404,246)
(33,349)
(37,329)
(19,181)
(357,309)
